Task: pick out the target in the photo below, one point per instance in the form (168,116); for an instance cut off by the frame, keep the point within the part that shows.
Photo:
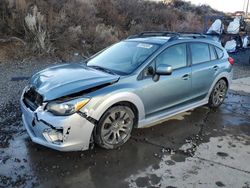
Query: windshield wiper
(102,69)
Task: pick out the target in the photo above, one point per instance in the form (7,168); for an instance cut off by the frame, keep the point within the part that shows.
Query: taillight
(231,60)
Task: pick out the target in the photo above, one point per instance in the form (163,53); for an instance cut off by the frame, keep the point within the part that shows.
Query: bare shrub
(105,35)
(192,23)
(12,17)
(36,30)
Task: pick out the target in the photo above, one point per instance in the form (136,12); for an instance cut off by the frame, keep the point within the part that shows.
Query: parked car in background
(132,84)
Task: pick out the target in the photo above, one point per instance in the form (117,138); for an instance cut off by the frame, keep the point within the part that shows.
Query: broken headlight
(67,107)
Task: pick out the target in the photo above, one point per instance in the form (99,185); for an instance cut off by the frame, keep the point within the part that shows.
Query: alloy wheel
(219,92)
(117,126)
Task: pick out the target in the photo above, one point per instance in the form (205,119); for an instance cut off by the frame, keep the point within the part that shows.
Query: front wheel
(114,127)
(218,94)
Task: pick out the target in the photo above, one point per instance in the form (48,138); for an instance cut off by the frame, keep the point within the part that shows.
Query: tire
(114,127)
(218,94)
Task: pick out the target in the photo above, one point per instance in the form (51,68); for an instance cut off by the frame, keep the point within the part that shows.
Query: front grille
(32,99)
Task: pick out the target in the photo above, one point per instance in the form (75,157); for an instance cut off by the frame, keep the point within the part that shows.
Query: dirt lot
(199,148)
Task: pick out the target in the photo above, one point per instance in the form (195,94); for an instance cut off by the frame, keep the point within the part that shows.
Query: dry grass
(83,26)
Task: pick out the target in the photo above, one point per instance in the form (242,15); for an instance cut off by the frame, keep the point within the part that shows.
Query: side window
(219,52)
(200,52)
(212,53)
(176,56)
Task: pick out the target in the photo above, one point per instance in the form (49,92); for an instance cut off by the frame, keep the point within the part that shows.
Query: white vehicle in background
(232,35)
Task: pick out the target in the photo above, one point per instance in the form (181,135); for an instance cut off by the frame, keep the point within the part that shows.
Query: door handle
(215,67)
(186,76)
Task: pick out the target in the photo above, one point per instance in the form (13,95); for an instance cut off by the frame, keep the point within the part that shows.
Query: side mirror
(163,69)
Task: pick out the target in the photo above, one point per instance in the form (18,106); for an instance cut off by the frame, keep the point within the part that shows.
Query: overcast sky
(222,5)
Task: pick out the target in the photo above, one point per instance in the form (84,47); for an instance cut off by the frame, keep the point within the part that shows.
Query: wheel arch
(225,79)
(225,76)
(130,105)
(126,98)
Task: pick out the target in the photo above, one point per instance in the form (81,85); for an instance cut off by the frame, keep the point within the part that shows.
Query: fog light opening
(53,135)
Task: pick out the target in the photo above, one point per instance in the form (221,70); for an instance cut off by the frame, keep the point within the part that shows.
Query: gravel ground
(15,76)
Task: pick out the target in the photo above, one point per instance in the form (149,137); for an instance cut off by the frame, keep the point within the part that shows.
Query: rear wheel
(114,127)
(218,94)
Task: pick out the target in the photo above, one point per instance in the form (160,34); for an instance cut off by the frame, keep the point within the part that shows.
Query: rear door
(204,68)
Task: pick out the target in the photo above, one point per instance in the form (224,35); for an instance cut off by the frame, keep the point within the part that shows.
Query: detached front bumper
(63,133)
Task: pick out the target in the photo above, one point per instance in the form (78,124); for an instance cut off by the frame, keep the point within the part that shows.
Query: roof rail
(192,34)
(152,34)
(172,35)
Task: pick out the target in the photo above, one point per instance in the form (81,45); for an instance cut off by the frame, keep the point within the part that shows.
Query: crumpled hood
(66,79)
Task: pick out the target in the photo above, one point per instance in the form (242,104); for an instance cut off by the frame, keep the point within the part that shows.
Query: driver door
(170,90)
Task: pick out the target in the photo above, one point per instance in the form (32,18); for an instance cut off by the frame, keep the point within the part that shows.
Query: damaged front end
(47,125)
(54,105)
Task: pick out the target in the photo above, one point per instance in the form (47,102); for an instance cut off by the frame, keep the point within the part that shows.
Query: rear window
(212,53)
(219,52)
(200,52)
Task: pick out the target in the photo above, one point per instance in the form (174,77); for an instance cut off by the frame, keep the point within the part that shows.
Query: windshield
(123,57)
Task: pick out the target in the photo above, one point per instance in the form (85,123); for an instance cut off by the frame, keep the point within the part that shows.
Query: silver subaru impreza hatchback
(132,84)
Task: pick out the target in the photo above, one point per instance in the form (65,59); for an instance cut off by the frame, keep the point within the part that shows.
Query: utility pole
(247,8)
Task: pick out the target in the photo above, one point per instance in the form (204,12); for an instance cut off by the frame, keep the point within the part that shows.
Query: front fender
(97,110)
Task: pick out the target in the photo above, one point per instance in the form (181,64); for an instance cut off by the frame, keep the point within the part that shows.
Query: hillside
(83,27)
